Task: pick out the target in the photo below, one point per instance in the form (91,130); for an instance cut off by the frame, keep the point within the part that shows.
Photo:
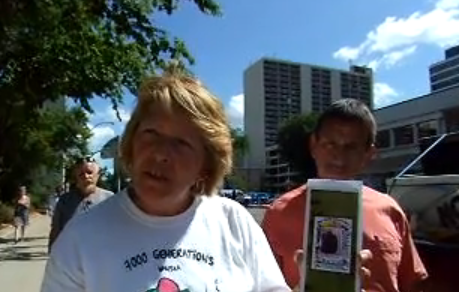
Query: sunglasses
(86,159)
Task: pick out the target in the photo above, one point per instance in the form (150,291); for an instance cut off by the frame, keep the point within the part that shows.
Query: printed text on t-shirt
(143,258)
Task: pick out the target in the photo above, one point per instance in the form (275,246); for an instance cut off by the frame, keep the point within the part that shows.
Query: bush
(6,214)
(38,201)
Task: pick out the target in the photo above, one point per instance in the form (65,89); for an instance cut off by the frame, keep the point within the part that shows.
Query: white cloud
(107,125)
(101,134)
(398,37)
(124,113)
(391,59)
(384,94)
(347,53)
(447,4)
(235,110)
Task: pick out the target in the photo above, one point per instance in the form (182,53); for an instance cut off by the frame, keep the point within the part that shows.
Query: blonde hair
(177,90)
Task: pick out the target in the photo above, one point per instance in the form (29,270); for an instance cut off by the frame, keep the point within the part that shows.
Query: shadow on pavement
(10,239)
(13,255)
(5,240)
(19,247)
(32,238)
(27,250)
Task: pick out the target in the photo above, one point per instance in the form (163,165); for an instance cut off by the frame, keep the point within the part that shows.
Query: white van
(231,193)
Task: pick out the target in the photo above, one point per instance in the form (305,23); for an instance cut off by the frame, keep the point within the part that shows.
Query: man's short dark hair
(351,110)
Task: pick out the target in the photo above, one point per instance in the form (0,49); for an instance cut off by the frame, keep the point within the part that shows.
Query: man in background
(80,199)
(53,199)
(342,145)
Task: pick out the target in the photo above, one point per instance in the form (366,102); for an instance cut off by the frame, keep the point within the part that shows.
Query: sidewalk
(22,265)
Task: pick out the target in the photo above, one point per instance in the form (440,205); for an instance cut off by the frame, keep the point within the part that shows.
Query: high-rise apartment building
(275,89)
(445,74)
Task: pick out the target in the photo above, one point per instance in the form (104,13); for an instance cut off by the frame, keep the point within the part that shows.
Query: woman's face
(167,156)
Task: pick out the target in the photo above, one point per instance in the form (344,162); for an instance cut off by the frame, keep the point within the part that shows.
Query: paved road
(257,213)
(22,265)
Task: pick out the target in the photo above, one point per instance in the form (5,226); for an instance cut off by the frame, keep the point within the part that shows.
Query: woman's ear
(372,153)
(199,187)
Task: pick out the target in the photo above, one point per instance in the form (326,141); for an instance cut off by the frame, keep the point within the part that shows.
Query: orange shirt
(395,266)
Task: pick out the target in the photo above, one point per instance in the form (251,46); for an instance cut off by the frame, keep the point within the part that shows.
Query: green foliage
(59,131)
(43,182)
(108,180)
(240,143)
(240,148)
(50,49)
(34,153)
(79,49)
(237,182)
(6,214)
(293,141)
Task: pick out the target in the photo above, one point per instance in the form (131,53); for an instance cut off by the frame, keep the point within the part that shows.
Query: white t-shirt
(215,245)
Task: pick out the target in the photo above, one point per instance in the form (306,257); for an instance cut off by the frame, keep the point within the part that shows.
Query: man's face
(341,149)
(87,176)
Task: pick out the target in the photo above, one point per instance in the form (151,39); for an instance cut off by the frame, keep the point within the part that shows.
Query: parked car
(245,199)
(231,193)
(259,198)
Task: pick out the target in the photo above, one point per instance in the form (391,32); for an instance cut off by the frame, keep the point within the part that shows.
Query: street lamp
(101,124)
(111,151)
(118,173)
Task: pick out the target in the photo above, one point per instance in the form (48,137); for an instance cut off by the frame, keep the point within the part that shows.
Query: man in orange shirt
(342,145)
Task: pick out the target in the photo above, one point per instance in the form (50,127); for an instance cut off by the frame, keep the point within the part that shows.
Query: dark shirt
(67,206)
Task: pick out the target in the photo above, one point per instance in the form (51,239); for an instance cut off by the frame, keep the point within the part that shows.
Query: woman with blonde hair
(168,231)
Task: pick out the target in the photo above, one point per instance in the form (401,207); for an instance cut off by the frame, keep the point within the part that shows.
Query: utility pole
(116,165)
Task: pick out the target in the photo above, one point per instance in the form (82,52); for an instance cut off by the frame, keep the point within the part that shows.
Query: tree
(293,141)
(240,144)
(235,181)
(50,49)
(240,149)
(82,49)
(35,153)
(107,180)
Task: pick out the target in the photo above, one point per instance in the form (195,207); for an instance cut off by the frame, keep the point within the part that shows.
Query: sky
(399,39)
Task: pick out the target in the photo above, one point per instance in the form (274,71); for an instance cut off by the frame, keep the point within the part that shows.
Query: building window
(444,75)
(440,67)
(427,129)
(403,135)
(383,139)
(446,83)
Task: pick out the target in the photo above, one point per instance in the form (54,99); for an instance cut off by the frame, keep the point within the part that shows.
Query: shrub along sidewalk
(6,214)
(8,227)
